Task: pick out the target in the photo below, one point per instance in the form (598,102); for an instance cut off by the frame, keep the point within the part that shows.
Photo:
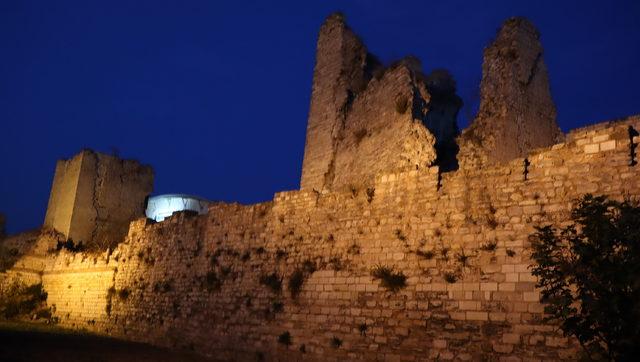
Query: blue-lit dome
(161,206)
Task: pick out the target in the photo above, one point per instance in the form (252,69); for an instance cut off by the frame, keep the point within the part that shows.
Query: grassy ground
(31,342)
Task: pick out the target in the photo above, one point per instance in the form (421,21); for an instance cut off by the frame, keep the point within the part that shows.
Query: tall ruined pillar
(516,112)
(95,196)
(337,76)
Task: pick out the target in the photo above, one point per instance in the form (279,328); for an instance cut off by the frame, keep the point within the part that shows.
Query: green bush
(589,276)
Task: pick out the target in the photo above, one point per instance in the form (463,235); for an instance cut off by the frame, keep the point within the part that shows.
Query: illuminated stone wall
(370,196)
(365,119)
(195,281)
(517,113)
(94,197)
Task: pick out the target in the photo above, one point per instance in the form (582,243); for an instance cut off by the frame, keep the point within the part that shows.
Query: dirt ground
(27,342)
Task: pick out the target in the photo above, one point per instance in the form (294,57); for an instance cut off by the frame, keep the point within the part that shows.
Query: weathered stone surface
(339,73)
(222,283)
(195,281)
(95,196)
(365,119)
(517,113)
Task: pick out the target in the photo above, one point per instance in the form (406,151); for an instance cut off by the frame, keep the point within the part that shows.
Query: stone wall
(365,119)
(461,238)
(95,196)
(517,113)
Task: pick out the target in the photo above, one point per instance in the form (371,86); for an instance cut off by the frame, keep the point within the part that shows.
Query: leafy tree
(589,274)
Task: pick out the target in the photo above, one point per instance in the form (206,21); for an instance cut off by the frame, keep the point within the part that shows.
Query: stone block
(591,148)
(477,316)
(607,146)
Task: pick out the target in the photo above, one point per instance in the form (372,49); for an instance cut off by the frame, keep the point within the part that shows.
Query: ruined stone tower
(516,112)
(365,119)
(94,197)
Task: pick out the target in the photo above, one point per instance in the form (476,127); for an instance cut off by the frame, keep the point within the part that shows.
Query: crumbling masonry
(234,283)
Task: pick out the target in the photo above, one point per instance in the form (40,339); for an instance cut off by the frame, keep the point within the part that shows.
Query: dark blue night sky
(214,95)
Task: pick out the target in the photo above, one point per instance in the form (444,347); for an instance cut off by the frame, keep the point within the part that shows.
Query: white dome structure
(162,206)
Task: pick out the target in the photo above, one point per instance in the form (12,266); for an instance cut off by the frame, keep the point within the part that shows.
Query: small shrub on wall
(272,281)
(285,339)
(389,278)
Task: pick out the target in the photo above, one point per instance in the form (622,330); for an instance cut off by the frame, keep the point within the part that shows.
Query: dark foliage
(589,274)
(299,276)
(124,293)
(489,246)
(462,258)
(429,254)
(285,338)
(277,307)
(20,300)
(296,280)
(212,282)
(450,277)
(363,329)
(390,279)
(336,342)
(70,245)
(273,281)
(371,192)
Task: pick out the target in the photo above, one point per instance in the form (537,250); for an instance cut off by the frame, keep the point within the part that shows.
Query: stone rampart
(210,283)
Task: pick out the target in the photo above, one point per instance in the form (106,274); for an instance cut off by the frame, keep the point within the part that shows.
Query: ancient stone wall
(365,119)
(339,70)
(94,197)
(210,283)
(517,113)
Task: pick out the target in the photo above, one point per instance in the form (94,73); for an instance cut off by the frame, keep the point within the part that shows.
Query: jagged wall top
(365,119)
(517,113)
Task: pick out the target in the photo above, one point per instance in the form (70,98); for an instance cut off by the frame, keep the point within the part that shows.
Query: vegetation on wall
(70,245)
(389,278)
(20,300)
(299,276)
(8,257)
(285,338)
(272,281)
(589,274)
